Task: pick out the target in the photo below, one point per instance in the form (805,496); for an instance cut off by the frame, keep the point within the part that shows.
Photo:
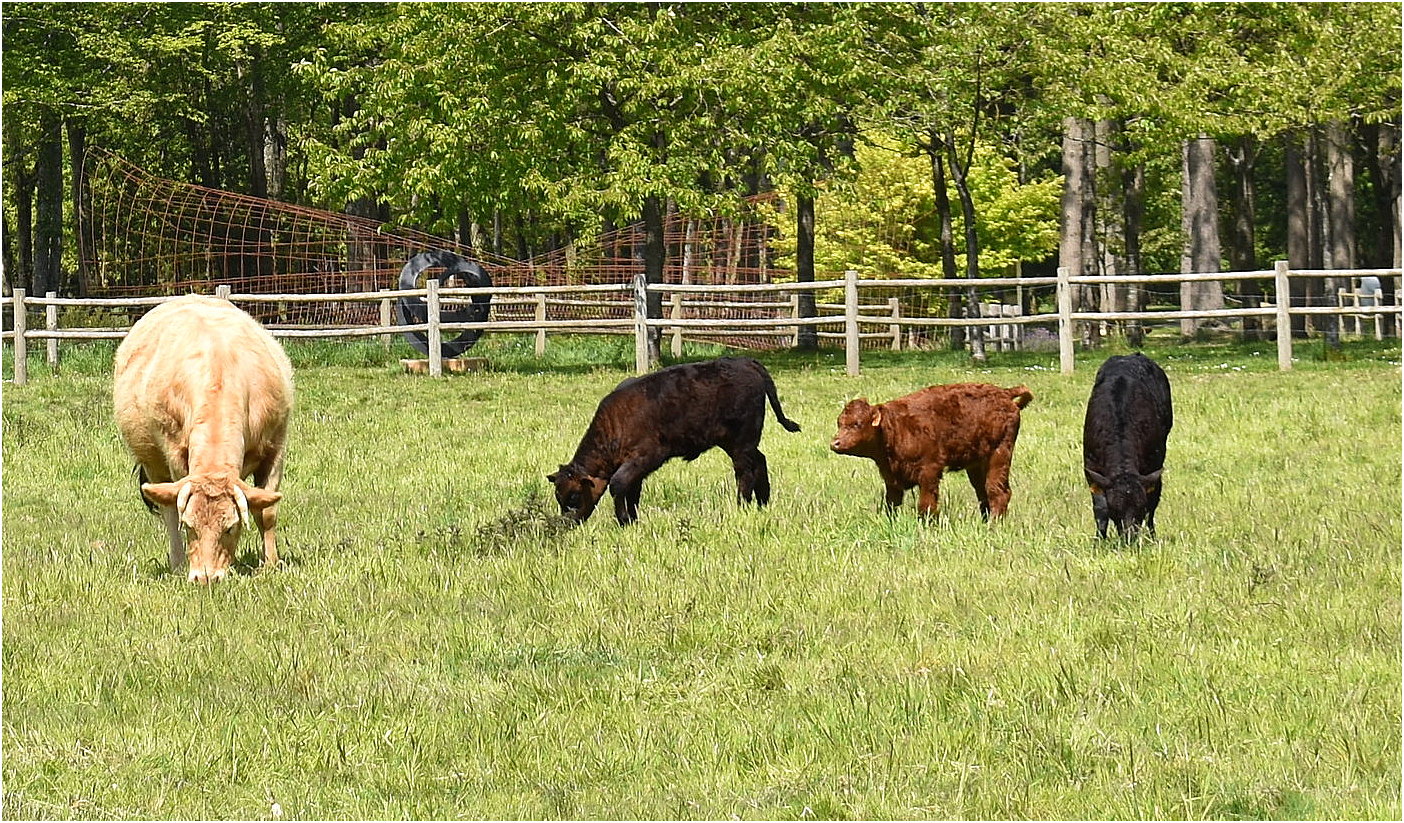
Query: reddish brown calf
(916,438)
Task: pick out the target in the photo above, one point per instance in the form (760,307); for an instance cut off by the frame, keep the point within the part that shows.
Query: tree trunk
(1299,239)
(1109,217)
(960,176)
(808,338)
(1133,206)
(48,212)
(1339,248)
(1382,158)
(1077,246)
(275,155)
(954,299)
(23,177)
(655,257)
(1242,155)
(1199,223)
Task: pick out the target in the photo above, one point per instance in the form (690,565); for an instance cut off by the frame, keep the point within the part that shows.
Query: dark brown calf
(681,411)
(916,438)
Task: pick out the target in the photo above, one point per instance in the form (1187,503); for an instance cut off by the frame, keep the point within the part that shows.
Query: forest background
(898,139)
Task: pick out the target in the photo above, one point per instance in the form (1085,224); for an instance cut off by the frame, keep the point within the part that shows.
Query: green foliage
(435,647)
(882,223)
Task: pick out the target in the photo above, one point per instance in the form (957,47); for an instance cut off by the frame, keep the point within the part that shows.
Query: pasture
(436,645)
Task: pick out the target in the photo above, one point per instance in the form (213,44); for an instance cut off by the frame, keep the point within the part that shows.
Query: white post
(436,348)
(1065,324)
(895,304)
(850,320)
(641,359)
(541,318)
(795,313)
(386,306)
(51,324)
(1379,318)
(1284,317)
(21,345)
(222,291)
(677,314)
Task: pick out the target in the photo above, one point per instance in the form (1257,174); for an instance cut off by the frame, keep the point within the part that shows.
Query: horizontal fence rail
(524,309)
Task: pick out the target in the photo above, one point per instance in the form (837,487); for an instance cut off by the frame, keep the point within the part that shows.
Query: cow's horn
(243,505)
(183,497)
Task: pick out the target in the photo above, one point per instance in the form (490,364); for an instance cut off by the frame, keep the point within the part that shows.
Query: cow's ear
(551,478)
(877,416)
(163,494)
(1097,481)
(1096,490)
(1150,481)
(598,486)
(260,499)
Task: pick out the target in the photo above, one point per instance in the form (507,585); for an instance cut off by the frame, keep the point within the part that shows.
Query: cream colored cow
(202,394)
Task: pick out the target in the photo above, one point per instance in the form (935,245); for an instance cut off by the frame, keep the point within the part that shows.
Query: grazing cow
(681,411)
(202,394)
(916,438)
(1123,442)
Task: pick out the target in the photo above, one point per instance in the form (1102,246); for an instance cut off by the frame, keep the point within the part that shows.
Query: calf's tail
(1021,396)
(789,424)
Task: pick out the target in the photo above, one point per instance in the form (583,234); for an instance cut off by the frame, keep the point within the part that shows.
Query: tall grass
(437,645)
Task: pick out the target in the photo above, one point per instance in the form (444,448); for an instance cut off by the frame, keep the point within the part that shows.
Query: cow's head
(1122,500)
(859,430)
(213,511)
(577,492)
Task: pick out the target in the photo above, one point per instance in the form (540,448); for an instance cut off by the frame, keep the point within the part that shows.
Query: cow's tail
(789,424)
(1021,396)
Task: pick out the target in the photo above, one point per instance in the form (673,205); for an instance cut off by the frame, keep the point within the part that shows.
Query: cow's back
(187,353)
(963,422)
(685,409)
(1129,416)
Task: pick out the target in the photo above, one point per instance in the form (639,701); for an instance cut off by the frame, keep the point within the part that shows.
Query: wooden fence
(785,322)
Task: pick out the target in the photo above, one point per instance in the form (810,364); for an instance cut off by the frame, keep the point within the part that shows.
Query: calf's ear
(877,416)
(1097,481)
(1150,481)
(551,478)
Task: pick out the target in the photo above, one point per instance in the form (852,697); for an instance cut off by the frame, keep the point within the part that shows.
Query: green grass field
(435,646)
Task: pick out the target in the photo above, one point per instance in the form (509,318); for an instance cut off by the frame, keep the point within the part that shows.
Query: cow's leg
(626,486)
(894,491)
(172,521)
(997,480)
(929,500)
(268,476)
(976,473)
(1152,501)
(752,476)
(762,479)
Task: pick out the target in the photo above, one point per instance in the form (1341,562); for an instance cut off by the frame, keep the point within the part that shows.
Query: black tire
(414,310)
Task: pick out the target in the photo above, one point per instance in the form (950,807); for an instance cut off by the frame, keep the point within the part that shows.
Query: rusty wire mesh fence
(146,235)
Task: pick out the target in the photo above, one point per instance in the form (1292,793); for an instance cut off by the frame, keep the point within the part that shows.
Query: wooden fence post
(51,324)
(386,304)
(641,359)
(1065,324)
(1284,316)
(223,290)
(676,314)
(541,318)
(850,320)
(21,345)
(436,335)
(895,304)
